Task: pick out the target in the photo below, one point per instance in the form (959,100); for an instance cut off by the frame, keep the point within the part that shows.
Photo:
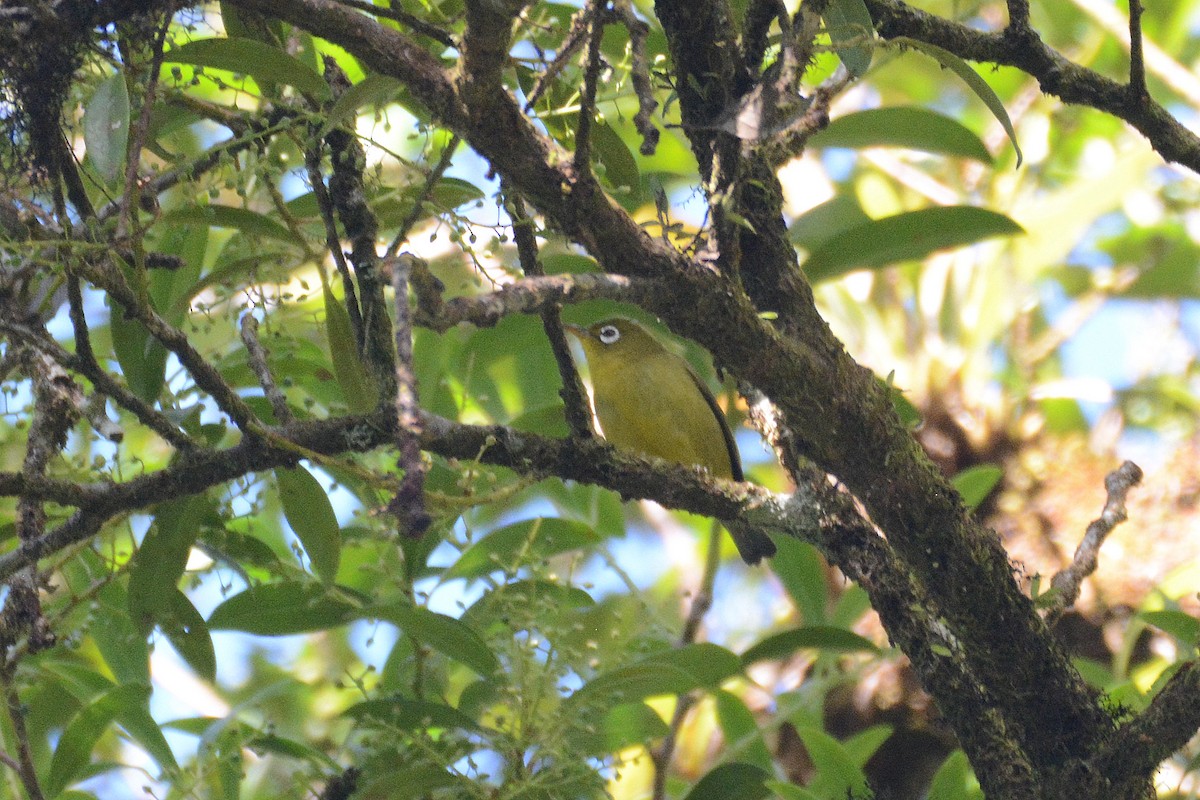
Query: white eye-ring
(609,334)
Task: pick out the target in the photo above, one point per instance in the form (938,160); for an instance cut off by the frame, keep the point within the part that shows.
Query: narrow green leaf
(732,781)
(106,126)
(908,236)
(74,749)
(280,609)
(358,389)
(450,636)
(852,33)
(620,167)
(669,672)
(290,748)
(818,637)
(529,540)
(1183,627)
(742,735)
(972,78)
(248,222)
(142,358)
(911,127)
(373,90)
(188,633)
(862,745)
(406,713)
(263,62)
(160,560)
(801,570)
(976,483)
(308,510)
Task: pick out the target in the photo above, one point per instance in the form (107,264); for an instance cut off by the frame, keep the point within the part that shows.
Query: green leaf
(408,714)
(620,167)
(852,33)
(976,483)
(74,749)
(106,126)
(160,560)
(908,236)
(837,773)
(248,222)
(972,78)
(743,738)
(801,570)
(280,609)
(358,389)
(954,780)
(914,128)
(862,745)
(308,510)
(790,791)
(819,637)
(822,222)
(373,90)
(529,540)
(732,781)
(1183,627)
(624,725)
(290,748)
(142,358)
(669,672)
(450,636)
(188,633)
(263,62)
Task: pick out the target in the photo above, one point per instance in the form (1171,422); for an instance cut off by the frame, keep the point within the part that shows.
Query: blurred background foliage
(527,645)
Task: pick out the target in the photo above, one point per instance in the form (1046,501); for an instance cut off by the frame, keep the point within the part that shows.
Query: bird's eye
(609,334)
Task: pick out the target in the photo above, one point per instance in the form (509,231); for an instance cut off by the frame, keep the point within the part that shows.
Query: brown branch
(565,51)
(1067,582)
(1166,726)
(639,72)
(1137,63)
(408,505)
(1055,73)
(404,18)
(16,715)
(591,80)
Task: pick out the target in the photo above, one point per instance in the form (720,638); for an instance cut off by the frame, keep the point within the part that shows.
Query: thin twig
(404,18)
(591,81)
(431,182)
(131,197)
(312,162)
(257,357)
(579,418)
(580,24)
(639,73)
(1137,63)
(16,715)
(1067,582)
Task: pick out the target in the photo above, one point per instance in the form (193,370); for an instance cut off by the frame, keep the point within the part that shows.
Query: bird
(648,400)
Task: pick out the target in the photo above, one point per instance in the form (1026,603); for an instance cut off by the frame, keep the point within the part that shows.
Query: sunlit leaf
(742,734)
(851,30)
(976,483)
(907,236)
(669,672)
(911,127)
(969,76)
(240,219)
(263,62)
